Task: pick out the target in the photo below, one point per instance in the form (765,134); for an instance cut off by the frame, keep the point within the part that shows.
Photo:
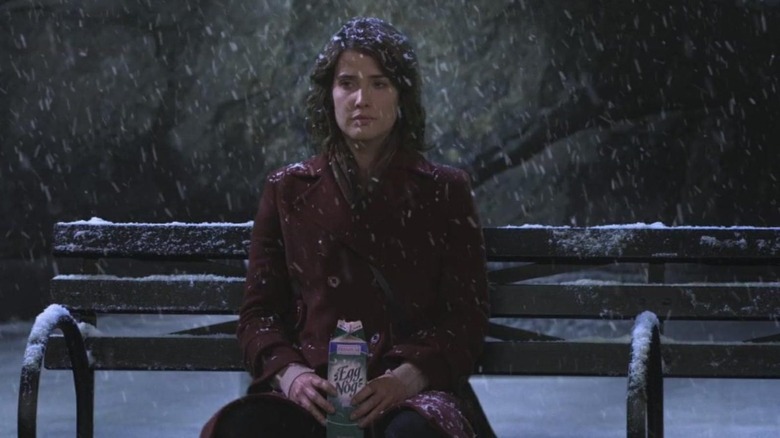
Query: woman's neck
(365,157)
(370,156)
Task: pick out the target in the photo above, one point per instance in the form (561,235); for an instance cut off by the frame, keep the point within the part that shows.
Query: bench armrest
(53,318)
(645,379)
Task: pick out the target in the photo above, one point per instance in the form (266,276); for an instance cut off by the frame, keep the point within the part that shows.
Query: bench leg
(645,409)
(53,318)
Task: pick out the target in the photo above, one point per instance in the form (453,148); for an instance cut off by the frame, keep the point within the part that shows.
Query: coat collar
(406,160)
(322,202)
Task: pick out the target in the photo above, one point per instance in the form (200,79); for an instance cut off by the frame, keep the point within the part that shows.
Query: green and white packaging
(347,355)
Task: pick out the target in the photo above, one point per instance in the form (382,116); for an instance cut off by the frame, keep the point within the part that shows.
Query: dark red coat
(419,228)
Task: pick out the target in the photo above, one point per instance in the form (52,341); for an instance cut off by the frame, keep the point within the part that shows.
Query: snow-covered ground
(168,404)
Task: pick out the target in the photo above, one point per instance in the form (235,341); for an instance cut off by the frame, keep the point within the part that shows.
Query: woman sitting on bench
(368,230)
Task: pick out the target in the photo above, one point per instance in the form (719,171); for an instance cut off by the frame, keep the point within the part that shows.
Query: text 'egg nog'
(347,354)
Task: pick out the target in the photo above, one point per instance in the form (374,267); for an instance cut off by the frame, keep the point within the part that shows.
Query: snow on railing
(642,225)
(102,222)
(88,330)
(53,317)
(633,226)
(192,278)
(44,324)
(644,401)
(641,341)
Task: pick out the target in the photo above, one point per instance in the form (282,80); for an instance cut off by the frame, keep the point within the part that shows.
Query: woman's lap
(270,417)
(407,423)
(266,418)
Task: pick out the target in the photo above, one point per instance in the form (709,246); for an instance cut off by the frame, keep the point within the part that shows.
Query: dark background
(565,112)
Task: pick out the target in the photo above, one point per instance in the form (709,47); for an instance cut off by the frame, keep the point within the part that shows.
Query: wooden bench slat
(547,244)
(526,271)
(717,301)
(734,360)
(204,294)
(172,241)
(586,358)
(161,353)
(719,360)
(554,358)
(186,294)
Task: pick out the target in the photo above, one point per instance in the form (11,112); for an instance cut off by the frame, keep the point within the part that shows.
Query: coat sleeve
(266,317)
(447,350)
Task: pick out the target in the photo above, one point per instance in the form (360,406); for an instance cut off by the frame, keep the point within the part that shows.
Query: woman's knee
(254,420)
(408,423)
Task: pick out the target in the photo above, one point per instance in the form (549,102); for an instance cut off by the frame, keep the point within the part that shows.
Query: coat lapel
(321,202)
(407,177)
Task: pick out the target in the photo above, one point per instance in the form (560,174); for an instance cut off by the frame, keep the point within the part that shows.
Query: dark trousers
(274,419)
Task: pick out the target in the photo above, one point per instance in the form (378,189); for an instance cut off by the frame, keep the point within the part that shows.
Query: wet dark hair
(393,52)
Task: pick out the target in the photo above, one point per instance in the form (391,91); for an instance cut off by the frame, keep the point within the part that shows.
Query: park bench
(537,274)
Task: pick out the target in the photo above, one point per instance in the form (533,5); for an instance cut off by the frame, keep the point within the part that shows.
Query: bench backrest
(603,273)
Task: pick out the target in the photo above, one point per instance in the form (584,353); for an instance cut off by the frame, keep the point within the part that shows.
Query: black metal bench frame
(517,257)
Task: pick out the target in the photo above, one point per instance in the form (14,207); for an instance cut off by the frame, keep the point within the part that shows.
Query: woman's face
(364,100)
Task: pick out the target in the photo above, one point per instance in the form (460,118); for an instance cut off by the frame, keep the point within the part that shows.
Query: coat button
(375,338)
(333,281)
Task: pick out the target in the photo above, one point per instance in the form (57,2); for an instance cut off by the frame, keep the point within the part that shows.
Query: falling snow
(643,114)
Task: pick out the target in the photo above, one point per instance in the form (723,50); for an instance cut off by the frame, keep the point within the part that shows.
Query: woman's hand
(307,390)
(378,395)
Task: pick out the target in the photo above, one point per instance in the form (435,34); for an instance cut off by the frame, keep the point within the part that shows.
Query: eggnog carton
(347,354)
